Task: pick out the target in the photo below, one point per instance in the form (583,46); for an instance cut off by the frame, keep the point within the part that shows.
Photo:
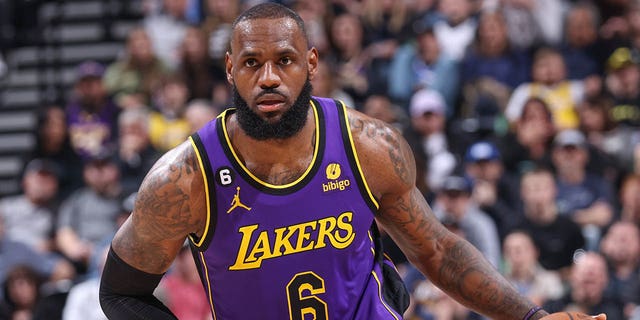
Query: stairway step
(23,97)
(17,121)
(11,166)
(17,142)
(104,51)
(75,32)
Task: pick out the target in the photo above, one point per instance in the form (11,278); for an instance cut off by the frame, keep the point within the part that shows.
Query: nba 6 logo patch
(333,172)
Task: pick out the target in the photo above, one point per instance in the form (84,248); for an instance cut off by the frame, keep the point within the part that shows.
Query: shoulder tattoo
(373,132)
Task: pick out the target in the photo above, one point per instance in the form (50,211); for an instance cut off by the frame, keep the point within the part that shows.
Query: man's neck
(276,161)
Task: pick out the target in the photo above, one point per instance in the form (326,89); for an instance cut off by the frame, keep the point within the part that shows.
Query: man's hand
(572,315)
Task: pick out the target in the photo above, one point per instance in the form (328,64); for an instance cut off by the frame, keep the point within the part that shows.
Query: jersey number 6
(301,293)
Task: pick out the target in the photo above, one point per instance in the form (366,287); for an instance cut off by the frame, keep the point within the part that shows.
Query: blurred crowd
(523,116)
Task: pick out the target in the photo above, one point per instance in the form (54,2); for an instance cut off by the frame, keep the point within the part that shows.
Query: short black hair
(271,10)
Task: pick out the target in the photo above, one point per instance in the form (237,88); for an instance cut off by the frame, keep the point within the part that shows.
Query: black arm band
(127,293)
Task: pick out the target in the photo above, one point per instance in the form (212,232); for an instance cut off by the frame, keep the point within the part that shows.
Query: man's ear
(312,62)
(228,67)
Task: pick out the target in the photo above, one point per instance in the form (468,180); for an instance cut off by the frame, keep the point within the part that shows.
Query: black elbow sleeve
(127,293)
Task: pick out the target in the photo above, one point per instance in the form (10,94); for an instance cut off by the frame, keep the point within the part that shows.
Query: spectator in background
(181,289)
(136,155)
(620,247)
(494,191)
(633,18)
(550,83)
(132,78)
(324,84)
(555,235)
(317,16)
(199,113)
(82,302)
(456,30)
(21,289)
(490,70)
(219,15)
(196,67)
(14,254)
(622,82)
(89,214)
(453,204)
(167,125)
(614,25)
(528,143)
(29,217)
(348,57)
(422,65)
(384,23)
(53,144)
(533,22)
(587,282)
(380,107)
(585,197)
(422,13)
(583,51)
(431,303)
(91,114)
(166,29)
(609,143)
(428,138)
(629,197)
(521,267)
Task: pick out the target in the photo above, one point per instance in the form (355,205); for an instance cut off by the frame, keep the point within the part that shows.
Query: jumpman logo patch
(235,203)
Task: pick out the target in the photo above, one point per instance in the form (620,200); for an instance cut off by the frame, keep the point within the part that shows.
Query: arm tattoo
(465,274)
(374,131)
(164,211)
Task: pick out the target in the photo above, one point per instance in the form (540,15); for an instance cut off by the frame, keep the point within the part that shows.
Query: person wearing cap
(453,204)
(587,198)
(29,216)
(623,85)
(427,112)
(494,190)
(91,114)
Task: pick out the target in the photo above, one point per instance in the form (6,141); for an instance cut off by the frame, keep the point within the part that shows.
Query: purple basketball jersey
(303,250)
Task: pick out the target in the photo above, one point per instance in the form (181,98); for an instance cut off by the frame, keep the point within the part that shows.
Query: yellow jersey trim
(357,160)
(199,242)
(373,250)
(260,181)
(375,276)
(206,274)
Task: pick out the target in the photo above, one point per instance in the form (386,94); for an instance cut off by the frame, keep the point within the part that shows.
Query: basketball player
(278,199)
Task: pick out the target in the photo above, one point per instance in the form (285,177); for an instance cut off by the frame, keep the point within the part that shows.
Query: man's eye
(251,63)
(286,60)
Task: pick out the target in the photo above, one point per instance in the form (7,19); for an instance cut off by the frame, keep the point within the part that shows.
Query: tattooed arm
(169,206)
(447,260)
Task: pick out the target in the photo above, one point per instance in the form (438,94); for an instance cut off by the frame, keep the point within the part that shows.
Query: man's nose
(269,77)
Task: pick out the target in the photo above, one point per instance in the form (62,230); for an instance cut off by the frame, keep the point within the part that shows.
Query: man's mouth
(267,106)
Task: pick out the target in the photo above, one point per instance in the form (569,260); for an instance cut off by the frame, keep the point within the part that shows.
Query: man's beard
(291,122)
